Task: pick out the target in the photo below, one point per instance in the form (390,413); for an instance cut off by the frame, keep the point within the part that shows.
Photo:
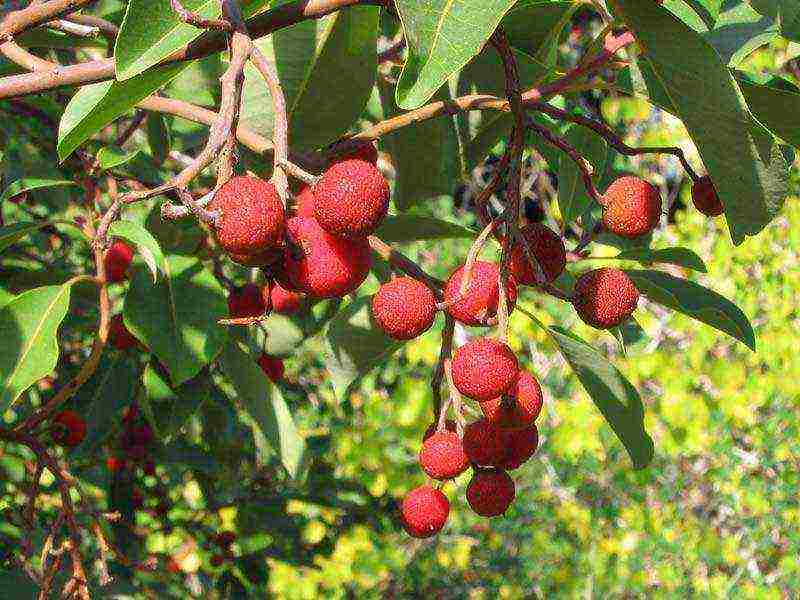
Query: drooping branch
(37,13)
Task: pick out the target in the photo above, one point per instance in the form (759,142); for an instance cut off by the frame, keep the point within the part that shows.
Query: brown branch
(192,18)
(402,262)
(36,14)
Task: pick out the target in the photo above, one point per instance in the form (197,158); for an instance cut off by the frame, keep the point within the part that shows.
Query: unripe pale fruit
(548,249)
(705,198)
(520,406)
(351,198)
(490,492)
(479,304)
(404,308)
(631,207)
(605,298)
(249,301)
(323,265)
(252,217)
(483,443)
(484,369)
(272,366)
(442,456)
(518,447)
(69,428)
(119,336)
(305,201)
(117,260)
(424,511)
(284,302)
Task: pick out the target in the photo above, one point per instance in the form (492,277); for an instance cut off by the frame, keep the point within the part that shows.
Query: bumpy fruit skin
(479,304)
(442,456)
(518,447)
(351,199)
(632,207)
(272,367)
(605,297)
(705,198)
(305,201)
(252,217)
(548,248)
(490,492)
(424,511)
(117,260)
(404,308)
(520,406)
(484,369)
(284,302)
(483,443)
(326,266)
(249,301)
(119,336)
(69,428)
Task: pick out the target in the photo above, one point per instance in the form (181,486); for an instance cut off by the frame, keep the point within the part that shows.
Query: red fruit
(173,566)
(137,498)
(272,366)
(520,406)
(284,302)
(705,198)
(114,464)
(149,468)
(351,198)
(130,413)
(305,201)
(117,260)
(323,265)
(518,446)
(248,301)
(143,435)
(118,334)
(632,207)
(225,538)
(442,456)
(366,152)
(479,304)
(425,511)
(252,217)
(217,560)
(548,249)
(266,258)
(484,369)
(69,428)
(490,492)
(483,443)
(605,297)
(404,308)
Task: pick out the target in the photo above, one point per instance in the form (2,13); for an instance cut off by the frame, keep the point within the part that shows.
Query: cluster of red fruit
(224,541)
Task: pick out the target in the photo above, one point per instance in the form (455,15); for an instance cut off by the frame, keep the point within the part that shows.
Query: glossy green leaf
(145,243)
(411,228)
(110,158)
(683,257)
(168,409)
(739,30)
(283,335)
(776,104)
(28,184)
(785,12)
(534,26)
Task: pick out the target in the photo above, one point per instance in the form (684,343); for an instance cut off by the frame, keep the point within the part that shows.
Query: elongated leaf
(11,234)
(442,36)
(696,301)
(776,104)
(264,404)
(410,228)
(29,327)
(739,30)
(534,26)
(785,12)
(573,200)
(683,257)
(354,346)
(177,316)
(29,184)
(109,157)
(145,243)
(168,409)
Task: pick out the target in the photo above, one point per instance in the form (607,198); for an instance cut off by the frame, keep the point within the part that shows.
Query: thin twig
(194,19)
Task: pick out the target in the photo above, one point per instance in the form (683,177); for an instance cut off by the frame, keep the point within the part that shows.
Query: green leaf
(739,30)
(29,184)
(11,234)
(776,105)
(412,228)
(442,37)
(167,409)
(158,137)
(283,335)
(110,158)
(95,106)
(695,301)
(707,9)
(785,12)
(741,156)
(15,585)
(573,201)
(29,328)
(683,257)
(177,316)
(327,69)
(534,26)
(264,405)
(612,393)
(354,346)
(145,243)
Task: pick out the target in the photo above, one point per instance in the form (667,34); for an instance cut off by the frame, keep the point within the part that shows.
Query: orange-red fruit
(479,304)
(118,334)
(69,428)
(305,201)
(705,198)
(424,511)
(323,265)
(366,151)
(217,560)
(442,456)
(605,297)
(548,249)
(259,259)
(114,464)
(248,301)
(284,302)
(272,366)
(631,207)
(483,443)
(484,369)
(518,447)
(520,406)
(117,260)
(404,308)
(351,198)
(252,217)
(490,492)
